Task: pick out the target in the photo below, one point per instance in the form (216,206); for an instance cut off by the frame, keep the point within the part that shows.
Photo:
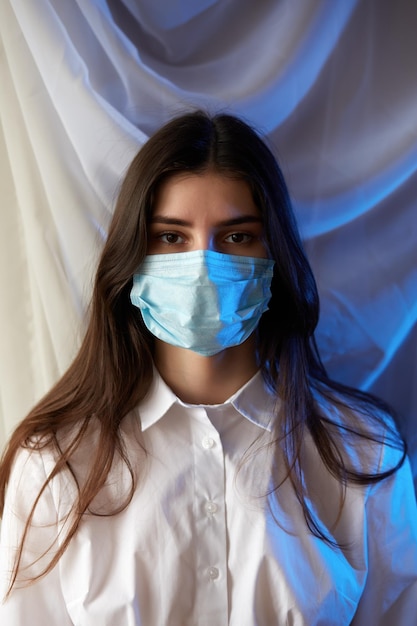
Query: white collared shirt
(197,545)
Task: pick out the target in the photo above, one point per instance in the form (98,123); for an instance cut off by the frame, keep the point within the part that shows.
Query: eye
(170,238)
(239,238)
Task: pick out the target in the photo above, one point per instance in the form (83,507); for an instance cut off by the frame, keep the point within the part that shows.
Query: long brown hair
(113,369)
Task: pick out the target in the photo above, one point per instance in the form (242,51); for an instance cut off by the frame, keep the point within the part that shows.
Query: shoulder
(30,485)
(31,466)
(366,436)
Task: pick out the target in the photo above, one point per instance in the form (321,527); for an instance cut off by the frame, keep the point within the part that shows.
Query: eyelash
(246,236)
(160,236)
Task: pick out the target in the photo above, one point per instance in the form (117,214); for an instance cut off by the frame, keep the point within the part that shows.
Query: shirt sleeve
(40,602)
(390,594)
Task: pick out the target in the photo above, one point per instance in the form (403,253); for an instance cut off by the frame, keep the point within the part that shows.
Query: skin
(206,212)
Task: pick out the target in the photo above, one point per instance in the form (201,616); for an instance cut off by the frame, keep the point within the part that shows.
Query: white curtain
(332,84)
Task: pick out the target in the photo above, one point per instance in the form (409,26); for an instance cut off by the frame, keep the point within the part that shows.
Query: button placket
(211,544)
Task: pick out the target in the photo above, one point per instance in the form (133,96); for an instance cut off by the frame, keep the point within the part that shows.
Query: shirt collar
(256,402)
(253,401)
(157,402)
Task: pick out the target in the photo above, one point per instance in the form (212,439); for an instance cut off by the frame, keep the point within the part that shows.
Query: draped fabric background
(333,85)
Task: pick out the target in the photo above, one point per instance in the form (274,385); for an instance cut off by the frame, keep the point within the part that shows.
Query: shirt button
(213,573)
(207,442)
(211,508)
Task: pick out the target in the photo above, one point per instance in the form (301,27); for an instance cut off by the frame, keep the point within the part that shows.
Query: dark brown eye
(238,238)
(171,238)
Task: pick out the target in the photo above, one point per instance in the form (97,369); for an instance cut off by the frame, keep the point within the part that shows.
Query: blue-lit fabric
(202,300)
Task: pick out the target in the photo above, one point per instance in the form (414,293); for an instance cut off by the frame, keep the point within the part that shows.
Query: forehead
(208,190)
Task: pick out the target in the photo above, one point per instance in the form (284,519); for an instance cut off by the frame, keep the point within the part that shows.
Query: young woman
(195,465)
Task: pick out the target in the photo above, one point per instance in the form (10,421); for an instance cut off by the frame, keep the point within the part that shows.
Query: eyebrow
(242,219)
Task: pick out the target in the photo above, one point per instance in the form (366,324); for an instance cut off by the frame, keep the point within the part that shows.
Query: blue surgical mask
(203,300)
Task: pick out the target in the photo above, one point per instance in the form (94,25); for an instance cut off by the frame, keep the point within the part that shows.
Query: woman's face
(206,212)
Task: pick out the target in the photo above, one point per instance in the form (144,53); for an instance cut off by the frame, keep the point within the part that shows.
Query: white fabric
(333,85)
(197,545)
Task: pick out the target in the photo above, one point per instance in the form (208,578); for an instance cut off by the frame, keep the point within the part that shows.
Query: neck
(198,379)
